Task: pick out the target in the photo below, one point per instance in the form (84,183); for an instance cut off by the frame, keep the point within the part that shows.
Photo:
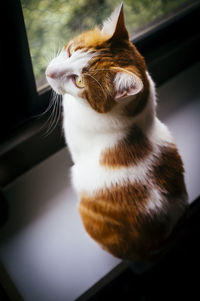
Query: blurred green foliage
(51,24)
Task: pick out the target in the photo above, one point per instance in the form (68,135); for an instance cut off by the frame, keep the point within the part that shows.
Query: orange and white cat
(127,170)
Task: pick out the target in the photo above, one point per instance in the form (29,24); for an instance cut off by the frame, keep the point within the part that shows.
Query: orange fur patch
(169,173)
(116,219)
(91,39)
(131,150)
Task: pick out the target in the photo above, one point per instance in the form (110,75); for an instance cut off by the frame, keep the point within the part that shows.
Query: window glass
(51,23)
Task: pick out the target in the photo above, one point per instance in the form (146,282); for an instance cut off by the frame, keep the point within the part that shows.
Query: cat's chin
(59,90)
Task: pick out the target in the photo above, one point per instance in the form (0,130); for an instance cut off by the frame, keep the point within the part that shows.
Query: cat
(127,171)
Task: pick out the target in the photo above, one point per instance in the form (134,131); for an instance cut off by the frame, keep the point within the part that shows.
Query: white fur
(127,83)
(109,25)
(89,176)
(63,67)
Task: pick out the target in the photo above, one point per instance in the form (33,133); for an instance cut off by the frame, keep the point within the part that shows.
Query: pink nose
(51,73)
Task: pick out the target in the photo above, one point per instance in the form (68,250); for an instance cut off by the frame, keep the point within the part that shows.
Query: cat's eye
(79,82)
(71,49)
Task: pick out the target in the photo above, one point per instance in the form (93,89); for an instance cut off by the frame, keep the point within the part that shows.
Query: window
(167,48)
(50,24)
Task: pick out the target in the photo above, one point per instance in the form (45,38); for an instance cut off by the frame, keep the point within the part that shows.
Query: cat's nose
(55,73)
(51,73)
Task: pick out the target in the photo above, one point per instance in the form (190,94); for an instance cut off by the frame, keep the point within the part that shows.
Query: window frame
(168,49)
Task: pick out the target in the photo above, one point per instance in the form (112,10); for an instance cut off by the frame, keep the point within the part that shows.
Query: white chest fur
(88,132)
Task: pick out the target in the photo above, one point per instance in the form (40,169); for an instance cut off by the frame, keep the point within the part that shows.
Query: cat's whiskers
(57,115)
(54,51)
(50,105)
(54,117)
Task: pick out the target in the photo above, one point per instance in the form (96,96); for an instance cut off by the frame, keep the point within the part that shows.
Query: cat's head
(101,66)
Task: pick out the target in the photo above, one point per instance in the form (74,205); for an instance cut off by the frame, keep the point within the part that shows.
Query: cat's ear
(126,84)
(114,26)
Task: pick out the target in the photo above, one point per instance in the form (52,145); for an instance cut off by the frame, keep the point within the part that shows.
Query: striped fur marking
(116,218)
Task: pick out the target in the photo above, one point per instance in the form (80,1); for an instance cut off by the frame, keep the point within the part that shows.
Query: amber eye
(71,49)
(79,82)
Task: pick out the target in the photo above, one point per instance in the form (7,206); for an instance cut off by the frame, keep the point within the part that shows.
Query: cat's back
(133,193)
